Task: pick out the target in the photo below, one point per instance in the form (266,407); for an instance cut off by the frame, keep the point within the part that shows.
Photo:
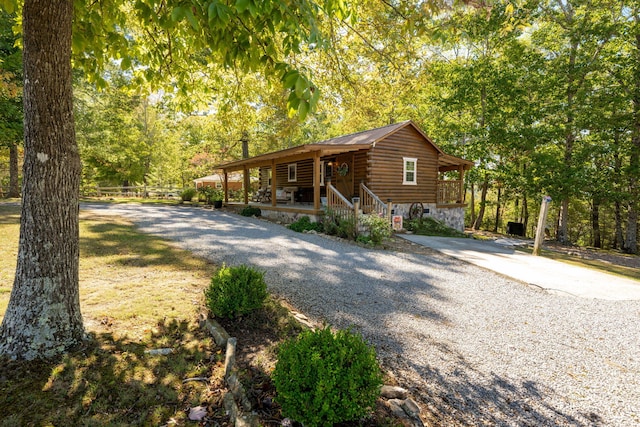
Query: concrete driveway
(553,276)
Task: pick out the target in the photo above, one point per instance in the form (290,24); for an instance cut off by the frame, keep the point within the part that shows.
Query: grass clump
(304,224)
(235,291)
(431,227)
(251,211)
(322,378)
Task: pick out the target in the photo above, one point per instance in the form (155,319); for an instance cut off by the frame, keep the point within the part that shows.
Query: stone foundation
(453,217)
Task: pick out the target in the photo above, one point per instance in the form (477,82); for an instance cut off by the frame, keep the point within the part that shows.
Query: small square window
(218,185)
(410,170)
(293,172)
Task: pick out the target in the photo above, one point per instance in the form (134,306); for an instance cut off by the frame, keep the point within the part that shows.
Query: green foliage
(337,225)
(378,226)
(235,291)
(304,224)
(251,211)
(188,194)
(322,378)
(428,226)
(210,194)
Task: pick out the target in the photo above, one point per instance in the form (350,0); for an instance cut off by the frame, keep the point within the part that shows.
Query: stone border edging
(236,391)
(397,399)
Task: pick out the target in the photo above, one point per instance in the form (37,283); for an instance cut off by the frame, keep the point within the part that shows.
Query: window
(269,177)
(322,173)
(409,174)
(218,185)
(293,172)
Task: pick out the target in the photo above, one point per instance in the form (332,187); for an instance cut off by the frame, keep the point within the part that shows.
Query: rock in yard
(197,413)
(393,392)
(395,405)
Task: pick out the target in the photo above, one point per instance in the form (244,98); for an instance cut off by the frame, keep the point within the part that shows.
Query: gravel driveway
(473,347)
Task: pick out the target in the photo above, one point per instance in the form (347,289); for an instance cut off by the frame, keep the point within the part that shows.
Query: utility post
(542,220)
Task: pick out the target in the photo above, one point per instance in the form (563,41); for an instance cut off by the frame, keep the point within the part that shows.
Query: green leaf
(192,19)
(290,78)
(301,85)
(178,13)
(303,110)
(212,11)
(242,5)
(8,5)
(315,96)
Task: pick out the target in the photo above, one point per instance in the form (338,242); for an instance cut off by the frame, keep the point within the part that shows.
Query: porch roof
(344,144)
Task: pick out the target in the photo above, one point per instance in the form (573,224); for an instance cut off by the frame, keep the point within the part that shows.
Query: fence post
(356,208)
(542,220)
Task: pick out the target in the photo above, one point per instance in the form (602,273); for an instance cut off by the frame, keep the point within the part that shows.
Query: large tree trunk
(43,317)
(14,188)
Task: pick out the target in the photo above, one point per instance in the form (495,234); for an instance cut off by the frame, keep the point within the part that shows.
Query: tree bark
(473,203)
(14,188)
(497,223)
(618,241)
(595,223)
(43,318)
(483,201)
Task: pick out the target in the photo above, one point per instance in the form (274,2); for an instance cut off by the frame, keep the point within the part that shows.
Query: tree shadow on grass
(111,381)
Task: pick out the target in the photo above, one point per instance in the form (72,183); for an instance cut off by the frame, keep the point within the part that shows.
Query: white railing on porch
(449,191)
(338,204)
(370,203)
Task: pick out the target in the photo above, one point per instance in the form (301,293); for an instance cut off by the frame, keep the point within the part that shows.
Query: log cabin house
(394,169)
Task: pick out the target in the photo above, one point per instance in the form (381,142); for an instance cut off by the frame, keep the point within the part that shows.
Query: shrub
(431,227)
(379,227)
(235,291)
(251,211)
(188,194)
(322,378)
(304,224)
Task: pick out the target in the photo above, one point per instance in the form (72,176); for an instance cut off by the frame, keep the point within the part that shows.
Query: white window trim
(322,173)
(293,167)
(406,160)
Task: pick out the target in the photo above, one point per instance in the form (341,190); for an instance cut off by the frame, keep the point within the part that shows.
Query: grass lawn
(137,293)
(140,293)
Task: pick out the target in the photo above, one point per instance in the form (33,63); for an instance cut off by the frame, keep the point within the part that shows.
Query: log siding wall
(385,162)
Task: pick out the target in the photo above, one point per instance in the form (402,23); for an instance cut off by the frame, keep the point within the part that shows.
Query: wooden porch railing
(338,204)
(370,203)
(449,191)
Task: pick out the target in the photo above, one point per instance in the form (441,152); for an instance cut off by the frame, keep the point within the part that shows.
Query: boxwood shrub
(235,291)
(322,378)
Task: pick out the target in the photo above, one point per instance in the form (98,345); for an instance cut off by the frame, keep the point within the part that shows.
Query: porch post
(316,180)
(245,173)
(461,189)
(273,183)
(226,187)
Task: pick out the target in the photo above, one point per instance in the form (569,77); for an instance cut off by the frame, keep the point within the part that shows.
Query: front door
(343,173)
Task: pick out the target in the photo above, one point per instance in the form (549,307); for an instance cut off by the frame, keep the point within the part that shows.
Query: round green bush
(188,194)
(322,378)
(251,211)
(235,291)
